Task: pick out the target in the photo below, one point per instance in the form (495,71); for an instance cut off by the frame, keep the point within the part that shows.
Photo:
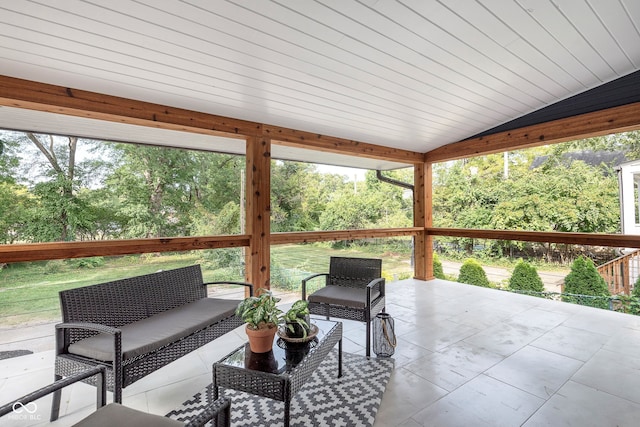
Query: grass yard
(29,291)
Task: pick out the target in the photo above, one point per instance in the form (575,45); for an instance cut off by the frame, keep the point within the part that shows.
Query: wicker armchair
(114,414)
(354,290)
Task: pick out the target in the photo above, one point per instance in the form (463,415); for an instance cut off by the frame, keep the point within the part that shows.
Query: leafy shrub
(636,288)
(525,278)
(388,277)
(392,277)
(403,276)
(438,272)
(631,304)
(93,262)
(472,273)
(282,278)
(223,258)
(54,266)
(585,280)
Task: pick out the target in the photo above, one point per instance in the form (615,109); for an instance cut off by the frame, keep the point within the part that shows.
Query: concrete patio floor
(466,356)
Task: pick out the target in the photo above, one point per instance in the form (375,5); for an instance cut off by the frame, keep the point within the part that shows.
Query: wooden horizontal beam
(64,250)
(32,95)
(617,119)
(328,236)
(590,239)
(308,140)
(74,102)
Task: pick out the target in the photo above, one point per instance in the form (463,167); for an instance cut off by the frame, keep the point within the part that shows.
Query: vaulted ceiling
(410,74)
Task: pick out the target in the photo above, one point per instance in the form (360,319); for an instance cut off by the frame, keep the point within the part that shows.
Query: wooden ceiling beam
(613,120)
(309,140)
(32,95)
(74,102)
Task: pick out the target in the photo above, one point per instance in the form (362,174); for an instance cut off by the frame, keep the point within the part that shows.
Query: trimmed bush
(472,273)
(525,278)
(636,289)
(438,272)
(585,280)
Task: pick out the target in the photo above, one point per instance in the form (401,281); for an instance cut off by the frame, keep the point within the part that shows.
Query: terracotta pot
(261,340)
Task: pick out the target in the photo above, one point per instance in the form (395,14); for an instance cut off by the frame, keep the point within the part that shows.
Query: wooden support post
(258,217)
(428,218)
(422,217)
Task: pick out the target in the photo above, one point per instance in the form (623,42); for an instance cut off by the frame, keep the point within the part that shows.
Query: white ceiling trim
(60,124)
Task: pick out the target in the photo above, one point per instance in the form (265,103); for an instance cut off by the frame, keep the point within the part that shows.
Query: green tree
(291,184)
(216,179)
(56,176)
(347,211)
(154,185)
(584,279)
(15,202)
(472,273)
(525,278)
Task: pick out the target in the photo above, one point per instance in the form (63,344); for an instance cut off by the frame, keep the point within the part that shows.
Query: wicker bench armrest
(62,344)
(304,283)
(249,285)
(101,383)
(220,410)
(89,327)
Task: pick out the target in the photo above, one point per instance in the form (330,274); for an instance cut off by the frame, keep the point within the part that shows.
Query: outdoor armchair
(114,414)
(354,290)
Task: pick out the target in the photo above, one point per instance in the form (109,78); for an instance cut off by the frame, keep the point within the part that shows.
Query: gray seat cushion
(342,295)
(152,333)
(115,414)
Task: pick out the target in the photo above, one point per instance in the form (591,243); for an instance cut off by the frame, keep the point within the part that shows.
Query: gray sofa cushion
(152,333)
(115,414)
(342,295)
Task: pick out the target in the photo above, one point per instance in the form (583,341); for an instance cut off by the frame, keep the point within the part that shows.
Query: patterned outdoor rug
(325,400)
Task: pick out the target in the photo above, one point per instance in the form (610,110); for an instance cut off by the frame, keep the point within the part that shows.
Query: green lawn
(30,290)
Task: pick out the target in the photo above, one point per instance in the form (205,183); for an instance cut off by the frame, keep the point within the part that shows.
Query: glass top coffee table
(281,372)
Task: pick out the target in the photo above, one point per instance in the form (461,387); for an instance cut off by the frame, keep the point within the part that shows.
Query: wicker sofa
(137,325)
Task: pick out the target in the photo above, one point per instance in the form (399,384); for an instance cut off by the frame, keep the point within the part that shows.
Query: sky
(351,173)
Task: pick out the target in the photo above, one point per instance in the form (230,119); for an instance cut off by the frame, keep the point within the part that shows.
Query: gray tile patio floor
(466,356)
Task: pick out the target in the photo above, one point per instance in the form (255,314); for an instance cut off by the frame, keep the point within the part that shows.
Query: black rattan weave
(278,386)
(105,307)
(362,273)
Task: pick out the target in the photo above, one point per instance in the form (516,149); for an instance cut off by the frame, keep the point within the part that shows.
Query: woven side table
(280,373)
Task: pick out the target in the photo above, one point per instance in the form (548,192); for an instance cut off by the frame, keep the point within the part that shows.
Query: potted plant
(262,318)
(296,320)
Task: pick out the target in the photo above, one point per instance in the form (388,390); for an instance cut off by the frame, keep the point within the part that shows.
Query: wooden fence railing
(621,273)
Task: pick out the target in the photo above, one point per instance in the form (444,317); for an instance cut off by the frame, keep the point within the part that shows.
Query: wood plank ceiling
(410,74)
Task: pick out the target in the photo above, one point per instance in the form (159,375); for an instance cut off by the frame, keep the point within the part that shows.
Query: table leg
(215,385)
(287,408)
(340,358)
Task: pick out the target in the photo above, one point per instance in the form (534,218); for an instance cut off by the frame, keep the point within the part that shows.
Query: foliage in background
(525,278)
(585,280)
(55,188)
(472,273)
(541,189)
